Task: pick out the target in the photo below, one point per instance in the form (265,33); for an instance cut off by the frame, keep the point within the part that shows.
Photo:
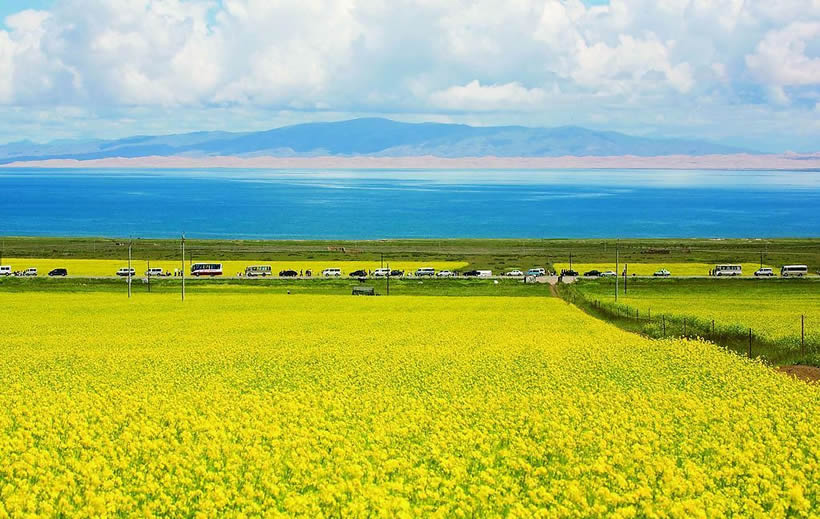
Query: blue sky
(743,72)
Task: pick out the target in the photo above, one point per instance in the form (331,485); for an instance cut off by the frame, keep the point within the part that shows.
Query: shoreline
(784,162)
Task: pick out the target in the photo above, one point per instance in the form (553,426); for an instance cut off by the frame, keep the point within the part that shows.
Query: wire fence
(802,347)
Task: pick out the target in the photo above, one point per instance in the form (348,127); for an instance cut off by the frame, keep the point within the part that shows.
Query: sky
(741,72)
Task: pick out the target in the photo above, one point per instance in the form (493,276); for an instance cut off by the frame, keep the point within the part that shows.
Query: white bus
(258,271)
(206,269)
(728,270)
(794,271)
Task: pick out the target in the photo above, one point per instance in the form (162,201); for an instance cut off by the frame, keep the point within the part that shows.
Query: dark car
(593,273)
(359,274)
(471,274)
(58,272)
(396,273)
(569,272)
(288,274)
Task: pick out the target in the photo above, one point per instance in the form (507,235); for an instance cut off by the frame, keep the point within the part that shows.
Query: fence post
(663,318)
(750,343)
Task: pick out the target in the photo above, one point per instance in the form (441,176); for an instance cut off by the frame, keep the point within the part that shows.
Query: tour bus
(258,270)
(206,269)
(5,270)
(728,270)
(794,271)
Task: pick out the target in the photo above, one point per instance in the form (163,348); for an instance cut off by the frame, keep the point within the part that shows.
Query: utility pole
(130,242)
(570,260)
(616,270)
(148,274)
(626,273)
(388,279)
(183,266)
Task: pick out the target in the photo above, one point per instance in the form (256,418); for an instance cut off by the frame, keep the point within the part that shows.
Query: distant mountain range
(371,137)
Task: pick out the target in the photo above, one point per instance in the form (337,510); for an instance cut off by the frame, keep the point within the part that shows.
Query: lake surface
(372,204)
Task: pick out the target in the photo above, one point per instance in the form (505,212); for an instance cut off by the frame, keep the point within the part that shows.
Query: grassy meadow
(251,404)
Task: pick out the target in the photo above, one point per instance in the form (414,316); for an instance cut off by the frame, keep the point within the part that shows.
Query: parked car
(58,272)
(125,271)
(30,272)
(662,273)
(331,272)
(608,274)
(472,274)
(444,274)
(536,271)
(154,272)
(425,271)
(569,272)
(381,272)
(592,273)
(5,270)
(358,274)
(764,272)
(514,273)
(396,273)
(288,274)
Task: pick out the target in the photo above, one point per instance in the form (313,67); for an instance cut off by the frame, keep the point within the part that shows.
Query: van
(537,271)
(58,272)
(332,272)
(425,271)
(5,270)
(125,271)
(485,273)
(381,272)
(794,271)
(154,271)
(30,272)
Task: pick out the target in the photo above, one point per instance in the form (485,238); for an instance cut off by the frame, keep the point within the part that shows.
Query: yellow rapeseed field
(249,405)
(108,267)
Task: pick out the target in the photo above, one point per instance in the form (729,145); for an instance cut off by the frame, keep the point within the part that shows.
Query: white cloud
(626,65)
(780,59)
(475,97)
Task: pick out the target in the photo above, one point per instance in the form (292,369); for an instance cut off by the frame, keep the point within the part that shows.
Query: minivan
(30,272)
(536,272)
(425,271)
(58,272)
(125,271)
(381,272)
(332,272)
(5,270)
(154,271)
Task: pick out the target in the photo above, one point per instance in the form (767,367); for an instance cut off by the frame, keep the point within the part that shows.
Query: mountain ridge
(376,137)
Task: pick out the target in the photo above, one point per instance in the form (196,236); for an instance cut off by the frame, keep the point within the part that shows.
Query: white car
(515,273)
(125,271)
(154,271)
(331,272)
(764,272)
(381,272)
(444,274)
(425,271)
(536,272)
(30,272)
(662,273)
(608,274)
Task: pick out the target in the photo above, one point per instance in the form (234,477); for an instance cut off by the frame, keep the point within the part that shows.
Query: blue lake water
(372,204)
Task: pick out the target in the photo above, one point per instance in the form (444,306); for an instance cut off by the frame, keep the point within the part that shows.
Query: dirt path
(805,373)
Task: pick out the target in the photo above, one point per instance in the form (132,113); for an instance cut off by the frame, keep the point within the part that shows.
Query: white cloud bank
(696,67)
